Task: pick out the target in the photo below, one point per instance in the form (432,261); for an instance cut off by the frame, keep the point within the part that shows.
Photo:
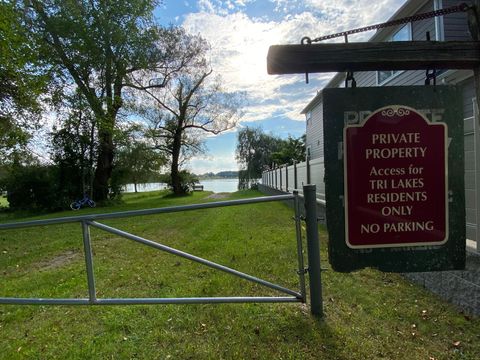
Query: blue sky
(244,29)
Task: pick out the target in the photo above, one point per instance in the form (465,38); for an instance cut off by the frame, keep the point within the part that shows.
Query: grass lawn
(3,202)
(368,314)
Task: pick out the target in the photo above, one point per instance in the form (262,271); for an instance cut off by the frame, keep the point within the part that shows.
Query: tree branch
(57,45)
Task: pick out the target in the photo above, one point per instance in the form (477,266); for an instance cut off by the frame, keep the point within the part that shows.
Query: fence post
(295,179)
(313,248)
(276,177)
(280,177)
(286,178)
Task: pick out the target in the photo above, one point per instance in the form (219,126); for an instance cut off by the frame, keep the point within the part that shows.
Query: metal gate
(87,221)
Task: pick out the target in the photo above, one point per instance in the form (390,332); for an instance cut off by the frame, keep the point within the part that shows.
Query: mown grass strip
(368,314)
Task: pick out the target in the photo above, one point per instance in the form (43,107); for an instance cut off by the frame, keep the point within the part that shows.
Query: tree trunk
(135,186)
(104,168)
(175,177)
(174,172)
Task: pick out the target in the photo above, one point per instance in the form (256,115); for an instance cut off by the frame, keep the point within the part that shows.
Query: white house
(445,28)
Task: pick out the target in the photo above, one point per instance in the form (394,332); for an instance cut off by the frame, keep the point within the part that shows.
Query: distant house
(446,28)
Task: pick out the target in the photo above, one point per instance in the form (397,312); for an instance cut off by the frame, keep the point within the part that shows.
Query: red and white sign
(396,180)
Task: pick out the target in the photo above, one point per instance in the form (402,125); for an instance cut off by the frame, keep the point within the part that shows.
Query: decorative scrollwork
(402,112)
(388,112)
(395,111)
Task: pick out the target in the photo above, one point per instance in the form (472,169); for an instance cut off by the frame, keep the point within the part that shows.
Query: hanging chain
(350,79)
(463,7)
(430,74)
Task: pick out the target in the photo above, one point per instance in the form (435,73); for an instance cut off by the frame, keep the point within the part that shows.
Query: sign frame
(339,101)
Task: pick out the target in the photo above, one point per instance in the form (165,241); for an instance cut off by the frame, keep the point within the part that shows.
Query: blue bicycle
(76,205)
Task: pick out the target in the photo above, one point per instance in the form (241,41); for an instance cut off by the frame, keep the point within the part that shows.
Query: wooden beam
(366,56)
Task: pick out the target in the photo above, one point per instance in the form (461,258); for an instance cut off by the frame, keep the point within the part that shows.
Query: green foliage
(219,175)
(256,151)
(291,150)
(22,82)
(137,162)
(107,51)
(35,187)
(187,181)
(74,146)
(227,174)
(253,153)
(3,201)
(100,47)
(73,149)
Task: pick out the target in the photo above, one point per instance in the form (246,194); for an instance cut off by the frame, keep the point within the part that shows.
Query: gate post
(313,247)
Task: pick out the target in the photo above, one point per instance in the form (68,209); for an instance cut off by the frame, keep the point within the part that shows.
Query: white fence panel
(301,176)
(291,178)
(283,178)
(317,173)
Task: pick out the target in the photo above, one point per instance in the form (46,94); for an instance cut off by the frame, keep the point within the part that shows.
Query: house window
(308,116)
(403,34)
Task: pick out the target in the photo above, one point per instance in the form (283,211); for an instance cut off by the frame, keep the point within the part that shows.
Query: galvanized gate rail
(87,221)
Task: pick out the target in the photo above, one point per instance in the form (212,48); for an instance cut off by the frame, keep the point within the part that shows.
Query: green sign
(376,185)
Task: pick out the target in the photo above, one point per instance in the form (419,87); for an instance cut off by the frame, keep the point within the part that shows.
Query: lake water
(215,185)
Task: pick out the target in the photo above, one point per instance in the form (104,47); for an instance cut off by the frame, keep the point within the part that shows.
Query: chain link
(463,7)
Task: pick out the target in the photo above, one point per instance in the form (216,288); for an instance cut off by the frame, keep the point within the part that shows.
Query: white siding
(455,25)
(315,132)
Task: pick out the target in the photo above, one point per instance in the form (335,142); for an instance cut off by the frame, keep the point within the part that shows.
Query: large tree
(192,104)
(73,145)
(291,150)
(22,81)
(254,152)
(137,161)
(100,46)
(257,150)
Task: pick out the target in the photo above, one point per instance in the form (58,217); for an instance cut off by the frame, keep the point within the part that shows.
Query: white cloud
(206,6)
(224,162)
(222,7)
(239,55)
(240,44)
(355,13)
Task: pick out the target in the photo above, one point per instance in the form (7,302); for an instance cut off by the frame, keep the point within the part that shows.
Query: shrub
(34,188)
(187,180)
